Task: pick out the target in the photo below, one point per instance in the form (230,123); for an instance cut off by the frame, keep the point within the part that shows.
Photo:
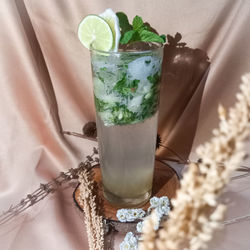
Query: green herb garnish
(154,79)
(117,113)
(126,87)
(138,31)
(123,22)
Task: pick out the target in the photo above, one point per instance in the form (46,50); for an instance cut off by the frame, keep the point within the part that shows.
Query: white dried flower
(164,201)
(125,245)
(154,202)
(161,206)
(122,215)
(139,226)
(164,206)
(130,242)
(141,213)
(129,215)
(135,214)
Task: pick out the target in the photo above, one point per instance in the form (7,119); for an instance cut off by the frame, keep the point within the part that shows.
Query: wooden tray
(165,183)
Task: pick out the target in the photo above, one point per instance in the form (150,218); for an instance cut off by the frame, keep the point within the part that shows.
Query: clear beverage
(127,160)
(126,92)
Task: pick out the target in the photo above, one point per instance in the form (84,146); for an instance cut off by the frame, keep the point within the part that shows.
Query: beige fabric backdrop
(45,88)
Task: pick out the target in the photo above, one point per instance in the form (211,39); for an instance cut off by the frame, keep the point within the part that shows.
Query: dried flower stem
(236,219)
(93,221)
(79,135)
(148,232)
(197,214)
(45,189)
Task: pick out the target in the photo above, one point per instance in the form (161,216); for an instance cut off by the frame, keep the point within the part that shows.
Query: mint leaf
(125,87)
(134,85)
(148,36)
(154,79)
(123,22)
(122,88)
(149,104)
(144,27)
(119,86)
(137,23)
(128,37)
(101,106)
(163,37)
(100,76)
(139,31)
(121,115)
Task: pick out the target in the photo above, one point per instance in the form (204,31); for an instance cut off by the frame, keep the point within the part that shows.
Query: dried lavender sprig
(45,189)
(236,219)
(187,161)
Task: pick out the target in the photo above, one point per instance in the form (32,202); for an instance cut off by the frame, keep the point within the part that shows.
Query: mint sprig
(148,36)
(138,31)
(123,22)
(128,36)
(137,23)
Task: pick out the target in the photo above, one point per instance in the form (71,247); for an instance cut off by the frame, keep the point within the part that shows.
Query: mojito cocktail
(126,84)
(126,92)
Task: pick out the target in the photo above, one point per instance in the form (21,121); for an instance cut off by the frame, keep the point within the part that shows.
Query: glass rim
(161,45)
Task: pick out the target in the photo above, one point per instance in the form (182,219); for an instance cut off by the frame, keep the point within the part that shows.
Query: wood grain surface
(165,183)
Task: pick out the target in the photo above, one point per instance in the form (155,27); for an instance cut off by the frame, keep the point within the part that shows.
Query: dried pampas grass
(196,211)
(93,221)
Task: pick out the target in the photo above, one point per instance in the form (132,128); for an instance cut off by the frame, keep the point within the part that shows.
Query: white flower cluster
(130,242)
(139,226)
(129,215)
(161,206)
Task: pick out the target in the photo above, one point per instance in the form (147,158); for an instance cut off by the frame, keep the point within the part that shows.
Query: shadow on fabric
(184,73)
(38,55)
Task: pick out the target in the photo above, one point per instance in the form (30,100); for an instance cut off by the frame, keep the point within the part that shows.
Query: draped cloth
(46,88)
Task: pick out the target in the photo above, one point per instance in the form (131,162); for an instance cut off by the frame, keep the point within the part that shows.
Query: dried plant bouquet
(196,211)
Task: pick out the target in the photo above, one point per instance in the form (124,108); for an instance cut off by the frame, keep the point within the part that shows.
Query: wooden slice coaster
(165,183)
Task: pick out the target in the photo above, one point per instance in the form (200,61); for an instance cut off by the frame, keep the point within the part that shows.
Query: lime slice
(110,17)
(94,30)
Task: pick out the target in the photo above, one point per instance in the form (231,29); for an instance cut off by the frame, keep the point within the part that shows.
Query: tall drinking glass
(126,93)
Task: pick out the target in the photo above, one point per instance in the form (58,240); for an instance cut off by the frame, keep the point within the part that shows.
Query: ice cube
(134,104)
(100,90)
(143,67)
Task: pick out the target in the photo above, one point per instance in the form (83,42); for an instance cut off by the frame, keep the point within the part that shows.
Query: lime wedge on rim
(111,18)
(94,31)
